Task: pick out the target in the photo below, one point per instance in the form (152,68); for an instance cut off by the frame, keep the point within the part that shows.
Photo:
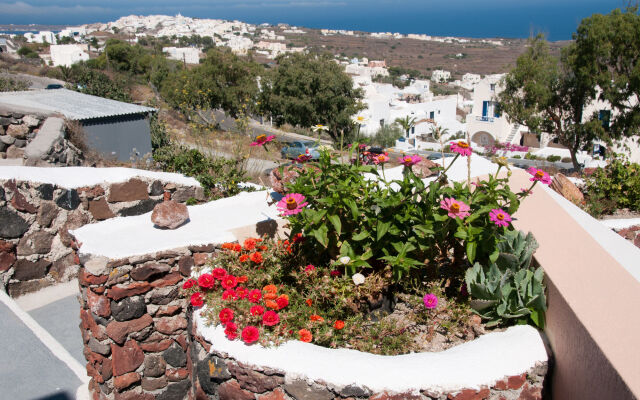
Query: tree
(309,89)
(85,80)
(406,123)
(547,95)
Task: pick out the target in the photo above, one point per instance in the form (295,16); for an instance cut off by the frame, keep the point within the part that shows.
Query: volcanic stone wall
(36,249)
(134,324)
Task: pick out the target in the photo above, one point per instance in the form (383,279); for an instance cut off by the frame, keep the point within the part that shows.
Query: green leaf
(360,236)
(335,220)
(317,217)
(321,235)
(382,228)
(471,251)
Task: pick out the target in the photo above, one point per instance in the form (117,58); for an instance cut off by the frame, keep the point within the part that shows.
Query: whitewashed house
(189,55)
(440,75)
(41,37)
(68,54)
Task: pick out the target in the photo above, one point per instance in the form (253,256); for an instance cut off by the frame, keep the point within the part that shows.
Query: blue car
(295,149)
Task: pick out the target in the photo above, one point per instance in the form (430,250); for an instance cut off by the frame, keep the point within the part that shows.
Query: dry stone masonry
(36,249)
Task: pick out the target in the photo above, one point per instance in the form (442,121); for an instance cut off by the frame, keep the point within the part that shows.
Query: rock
(231,390)
(128,308)
(97,347)
(17,289)
(118,292)
(75,220)
(2,194)
(170,325)
(277,394)
(154,366)
(96,265)
(470,394)
(91,192)
(8,140)
(175,356)
(151,384)
(163,295)
(169,215)
(133,394)
(6,260)
(183,194)
(20,143)
(6,246)
(126,358)
(300,390)
(354,391)
(200,258)
(155,347)
(133,190)
(279,179)
(156,188)
(26,270)
(87,279)
(17,115)
(397,396)
(185,264)
(13,225)
(64,268)
(175,375)
(15,152)
(126,380)
(142,207)
(567,189)
(176,391)
(38,242)
(146,271)
(18,131)
(31,121)
(254,381)
(100,209)
(167,280)
(20,203)
(424,168)
(68,199)
(97,304)
(47,212)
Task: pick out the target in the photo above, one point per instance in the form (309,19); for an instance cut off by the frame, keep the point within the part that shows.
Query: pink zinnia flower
(430,301)
(309,268)
(262,140)
(539,175)
(302,158)
(380,159)
(461,148)
(291,204)
(455,208)
(408,161)
(499,217)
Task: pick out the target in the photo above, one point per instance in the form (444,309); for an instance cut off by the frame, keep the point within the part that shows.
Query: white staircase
(513,133)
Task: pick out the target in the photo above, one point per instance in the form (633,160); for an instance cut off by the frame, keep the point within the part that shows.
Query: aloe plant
(509,289)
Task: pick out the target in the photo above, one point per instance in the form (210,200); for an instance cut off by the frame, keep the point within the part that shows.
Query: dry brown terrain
(423,56)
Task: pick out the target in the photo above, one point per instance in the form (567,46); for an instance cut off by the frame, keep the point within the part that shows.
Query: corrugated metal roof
(73,105)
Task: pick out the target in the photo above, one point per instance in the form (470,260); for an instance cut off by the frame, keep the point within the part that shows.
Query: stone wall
(134,324)
(18,131)
(36,249)
(218,376)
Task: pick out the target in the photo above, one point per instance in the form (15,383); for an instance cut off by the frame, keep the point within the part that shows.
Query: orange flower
(270,296)
(339,324)
(316,318)
(282,301)
(305,335)
(242,279)
(270,289)
(256,257)
(244,258)
(309,302)
(263,248)
(271,304)
(284,296)
(250,244)
(227,246)
(237,247)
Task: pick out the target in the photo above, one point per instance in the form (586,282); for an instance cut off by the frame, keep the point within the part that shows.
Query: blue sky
(476,18)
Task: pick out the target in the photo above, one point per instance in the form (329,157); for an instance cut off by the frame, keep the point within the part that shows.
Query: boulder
(169,215)
(13,225)
(18,131)
(567,189)
(52,132)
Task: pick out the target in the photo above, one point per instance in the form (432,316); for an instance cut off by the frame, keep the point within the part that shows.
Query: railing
(484,119)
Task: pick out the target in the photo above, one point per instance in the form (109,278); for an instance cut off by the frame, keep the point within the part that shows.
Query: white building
(74,32)
(189,55)
(68,54)
(41,37)
(440,75)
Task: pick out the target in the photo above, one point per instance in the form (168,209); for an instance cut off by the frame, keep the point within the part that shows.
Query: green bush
(386,136)
(566,159)
(530,156)
(614,187)
(517,156)
(553,158)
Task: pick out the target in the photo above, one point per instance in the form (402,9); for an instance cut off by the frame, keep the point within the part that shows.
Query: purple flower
(291,204)
(430,301)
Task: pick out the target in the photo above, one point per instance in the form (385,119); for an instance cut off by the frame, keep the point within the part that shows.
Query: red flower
(197,300)
(226,315)
(229,294)
(241,292)
(335,272)
(338,324)
(188,284)
(316,318)
(256,310)
(206,281)
(256,257)
(298,238)
(229,282)
(309,268)
(227,246)
(242,279)
(309,302)
(270,318)
(250,334)
(255,295)
(219,273)
(305,335)
(244,258)
(237,247)
(231,330)
(282,301)
(249,244)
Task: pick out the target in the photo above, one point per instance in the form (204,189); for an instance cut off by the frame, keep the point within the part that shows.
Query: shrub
(387,135)
(517,156)
(12,85)
(613,187)
(530,156)
(566,159)
(553,158)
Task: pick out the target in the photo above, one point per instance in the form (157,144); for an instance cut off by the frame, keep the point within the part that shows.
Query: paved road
(37,82)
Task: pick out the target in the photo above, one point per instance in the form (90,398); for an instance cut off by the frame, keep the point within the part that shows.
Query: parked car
(54,86)
(297,148)
(437,156)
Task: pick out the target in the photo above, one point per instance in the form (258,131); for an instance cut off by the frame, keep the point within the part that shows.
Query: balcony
(485,119)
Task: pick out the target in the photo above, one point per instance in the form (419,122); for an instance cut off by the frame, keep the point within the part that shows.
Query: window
(413,129)
(382,122)
(432,115)
(492,87)
(605,118)
(490,109)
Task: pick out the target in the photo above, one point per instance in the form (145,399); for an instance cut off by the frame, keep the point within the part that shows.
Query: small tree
(406,123)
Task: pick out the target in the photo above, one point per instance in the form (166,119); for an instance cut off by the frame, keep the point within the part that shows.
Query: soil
(623,213)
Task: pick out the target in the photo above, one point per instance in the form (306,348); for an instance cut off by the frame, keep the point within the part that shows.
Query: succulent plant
(509,289)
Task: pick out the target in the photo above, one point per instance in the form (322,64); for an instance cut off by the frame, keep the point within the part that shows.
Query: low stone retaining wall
(134,324)
(231,370)
(36,249)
